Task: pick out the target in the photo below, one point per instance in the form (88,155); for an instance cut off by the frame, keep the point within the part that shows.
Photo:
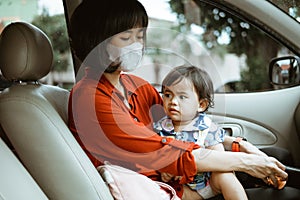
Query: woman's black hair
(199,78)
(95,21)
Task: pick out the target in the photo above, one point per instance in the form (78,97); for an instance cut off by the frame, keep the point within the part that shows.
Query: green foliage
(55,28)
(243,39)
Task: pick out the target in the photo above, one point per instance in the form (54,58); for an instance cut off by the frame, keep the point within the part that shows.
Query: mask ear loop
(113,52)
(110,66)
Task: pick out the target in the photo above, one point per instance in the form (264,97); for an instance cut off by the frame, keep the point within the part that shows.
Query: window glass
(231,49)
(291,7)
(48,16)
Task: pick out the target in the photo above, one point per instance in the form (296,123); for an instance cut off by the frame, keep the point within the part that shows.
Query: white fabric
(130,56)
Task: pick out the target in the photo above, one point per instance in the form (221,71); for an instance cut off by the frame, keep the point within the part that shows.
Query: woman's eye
(140,37)
(125,38)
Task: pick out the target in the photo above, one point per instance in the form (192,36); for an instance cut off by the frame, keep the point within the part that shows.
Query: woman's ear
(203,104)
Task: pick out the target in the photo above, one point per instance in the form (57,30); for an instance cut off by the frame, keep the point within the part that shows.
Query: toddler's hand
(280,183)
(166,177)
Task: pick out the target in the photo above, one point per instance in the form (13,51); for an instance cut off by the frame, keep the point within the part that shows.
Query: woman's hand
(247,147)
(253,164)
(269,169)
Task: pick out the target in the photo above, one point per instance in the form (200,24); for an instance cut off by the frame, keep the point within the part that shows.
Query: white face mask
(129,56)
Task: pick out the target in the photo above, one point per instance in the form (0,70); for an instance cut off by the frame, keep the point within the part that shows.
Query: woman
(111,113)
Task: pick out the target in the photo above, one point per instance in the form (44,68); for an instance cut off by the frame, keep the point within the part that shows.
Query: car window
(234,52)
(49,17)
(292,8)
(231,49)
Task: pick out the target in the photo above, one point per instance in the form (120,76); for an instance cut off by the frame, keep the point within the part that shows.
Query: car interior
(55,160)
(54,166)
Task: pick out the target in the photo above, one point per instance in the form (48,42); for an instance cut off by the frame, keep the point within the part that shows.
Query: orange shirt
(109,130)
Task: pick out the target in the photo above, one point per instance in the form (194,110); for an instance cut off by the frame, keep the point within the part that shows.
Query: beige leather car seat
(297,119)
(33,116)
(16,182)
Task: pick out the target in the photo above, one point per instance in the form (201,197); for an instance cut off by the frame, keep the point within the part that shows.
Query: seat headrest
(25,52)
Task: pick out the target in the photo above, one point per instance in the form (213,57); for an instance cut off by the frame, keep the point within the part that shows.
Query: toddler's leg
(228,185)
(189,194)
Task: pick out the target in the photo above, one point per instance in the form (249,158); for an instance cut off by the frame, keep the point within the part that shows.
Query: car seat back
(16,182)
(297,119)
(33,116)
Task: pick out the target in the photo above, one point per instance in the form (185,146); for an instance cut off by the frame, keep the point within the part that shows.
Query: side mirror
(285,71)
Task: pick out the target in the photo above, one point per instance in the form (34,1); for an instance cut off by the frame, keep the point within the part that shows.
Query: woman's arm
(108,131)
(216,147)
(167,176)
(255,165)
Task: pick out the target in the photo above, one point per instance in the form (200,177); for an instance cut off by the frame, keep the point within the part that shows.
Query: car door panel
(264,118)
(254,133)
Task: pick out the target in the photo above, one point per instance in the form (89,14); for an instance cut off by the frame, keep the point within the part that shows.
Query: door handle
(234,130)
